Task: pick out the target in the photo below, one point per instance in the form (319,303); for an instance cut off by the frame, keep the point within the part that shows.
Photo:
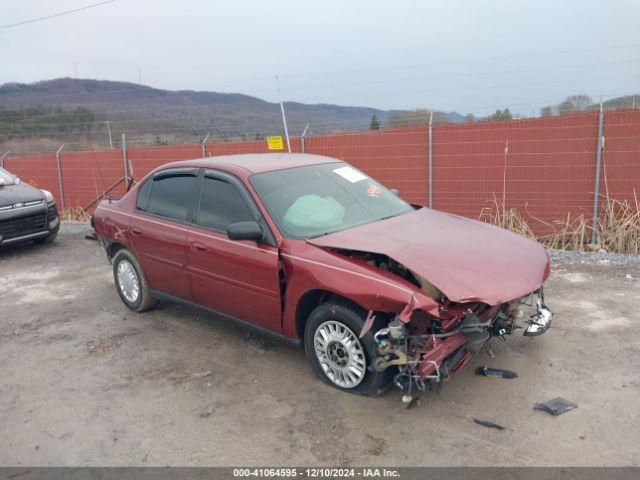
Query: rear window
(171,197)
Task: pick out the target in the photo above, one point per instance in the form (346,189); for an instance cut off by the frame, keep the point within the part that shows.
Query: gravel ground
(86,382)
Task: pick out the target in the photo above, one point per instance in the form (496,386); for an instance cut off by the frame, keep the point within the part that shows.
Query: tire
(130,282)
(46,240)
(339,319)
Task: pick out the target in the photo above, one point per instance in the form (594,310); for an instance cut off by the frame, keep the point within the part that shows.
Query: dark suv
(26,213)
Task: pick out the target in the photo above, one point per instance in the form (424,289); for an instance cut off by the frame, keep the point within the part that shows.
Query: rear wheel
(130,282)
(336,353)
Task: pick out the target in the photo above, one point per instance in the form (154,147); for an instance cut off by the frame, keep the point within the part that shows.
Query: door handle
(137,231)
(198,247)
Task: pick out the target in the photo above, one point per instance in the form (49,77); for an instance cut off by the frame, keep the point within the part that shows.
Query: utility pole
(110,139)
(59,166)
(284,118)
(126,163)
(596,188)
(203,145)
(431,159)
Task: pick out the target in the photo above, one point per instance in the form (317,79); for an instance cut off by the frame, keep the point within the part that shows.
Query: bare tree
(574,103)
(500,115)
(546,112)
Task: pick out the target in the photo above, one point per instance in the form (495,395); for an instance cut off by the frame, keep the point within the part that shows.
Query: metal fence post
(304,132)
(59,165)
(126,163)
(431,160)
(3,157)
(596,189)
(203,145)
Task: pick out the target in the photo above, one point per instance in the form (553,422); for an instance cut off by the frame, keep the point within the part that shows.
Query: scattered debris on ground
(555,406)
(496,373)
(488,424)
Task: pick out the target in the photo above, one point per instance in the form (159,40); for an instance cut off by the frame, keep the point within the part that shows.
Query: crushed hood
(466,259)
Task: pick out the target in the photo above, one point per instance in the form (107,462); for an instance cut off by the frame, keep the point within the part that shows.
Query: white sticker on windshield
(350,174)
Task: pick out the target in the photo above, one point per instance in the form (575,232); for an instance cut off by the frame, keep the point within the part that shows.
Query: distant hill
(37,114)
(628,101)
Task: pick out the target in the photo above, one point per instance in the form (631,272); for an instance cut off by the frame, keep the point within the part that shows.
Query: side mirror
(2,183)
(395,191)
(244,231)
(17,181)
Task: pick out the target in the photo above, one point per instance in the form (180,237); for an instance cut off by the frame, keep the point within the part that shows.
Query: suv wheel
(130,282)
(336,353)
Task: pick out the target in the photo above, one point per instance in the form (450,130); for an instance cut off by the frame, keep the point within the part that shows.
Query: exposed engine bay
(427,349)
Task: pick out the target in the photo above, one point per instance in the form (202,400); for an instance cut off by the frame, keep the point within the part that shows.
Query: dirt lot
(86,382)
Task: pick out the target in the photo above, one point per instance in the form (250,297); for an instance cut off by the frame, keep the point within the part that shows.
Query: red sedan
(313,251)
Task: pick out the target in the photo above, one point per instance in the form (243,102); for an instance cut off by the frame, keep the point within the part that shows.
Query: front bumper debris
(427,359)
(541,321)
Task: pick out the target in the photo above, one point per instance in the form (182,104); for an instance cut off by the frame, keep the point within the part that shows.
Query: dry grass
(617,229)
(77,214)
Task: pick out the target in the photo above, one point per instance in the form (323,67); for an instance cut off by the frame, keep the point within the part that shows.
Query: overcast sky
(452,55)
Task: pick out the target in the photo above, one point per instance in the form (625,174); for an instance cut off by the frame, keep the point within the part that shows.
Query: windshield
(316,200)
(7,177)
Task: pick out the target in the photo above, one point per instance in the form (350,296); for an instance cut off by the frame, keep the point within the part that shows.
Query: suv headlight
(48,196)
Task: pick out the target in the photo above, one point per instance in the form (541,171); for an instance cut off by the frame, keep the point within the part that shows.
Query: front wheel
(130,282)
(336,353)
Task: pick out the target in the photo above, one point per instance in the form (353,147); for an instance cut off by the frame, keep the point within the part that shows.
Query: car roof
(259,162)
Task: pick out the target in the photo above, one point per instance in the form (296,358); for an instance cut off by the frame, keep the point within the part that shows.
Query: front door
(237,278)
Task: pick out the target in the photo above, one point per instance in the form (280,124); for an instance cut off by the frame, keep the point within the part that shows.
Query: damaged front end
(427,349)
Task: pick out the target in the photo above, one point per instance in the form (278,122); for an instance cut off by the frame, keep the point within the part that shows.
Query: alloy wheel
(340,354)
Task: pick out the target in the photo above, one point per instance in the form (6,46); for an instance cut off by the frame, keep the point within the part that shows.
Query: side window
(142,201)
(171,196)
(221,205)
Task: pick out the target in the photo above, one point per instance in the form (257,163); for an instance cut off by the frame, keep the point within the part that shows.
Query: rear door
(164,207)
(237,278)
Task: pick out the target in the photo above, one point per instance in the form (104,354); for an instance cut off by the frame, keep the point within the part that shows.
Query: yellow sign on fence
(275,143)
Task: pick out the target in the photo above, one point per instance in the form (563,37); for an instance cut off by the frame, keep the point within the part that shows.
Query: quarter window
(171,196)
(142,202)
(221,205)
